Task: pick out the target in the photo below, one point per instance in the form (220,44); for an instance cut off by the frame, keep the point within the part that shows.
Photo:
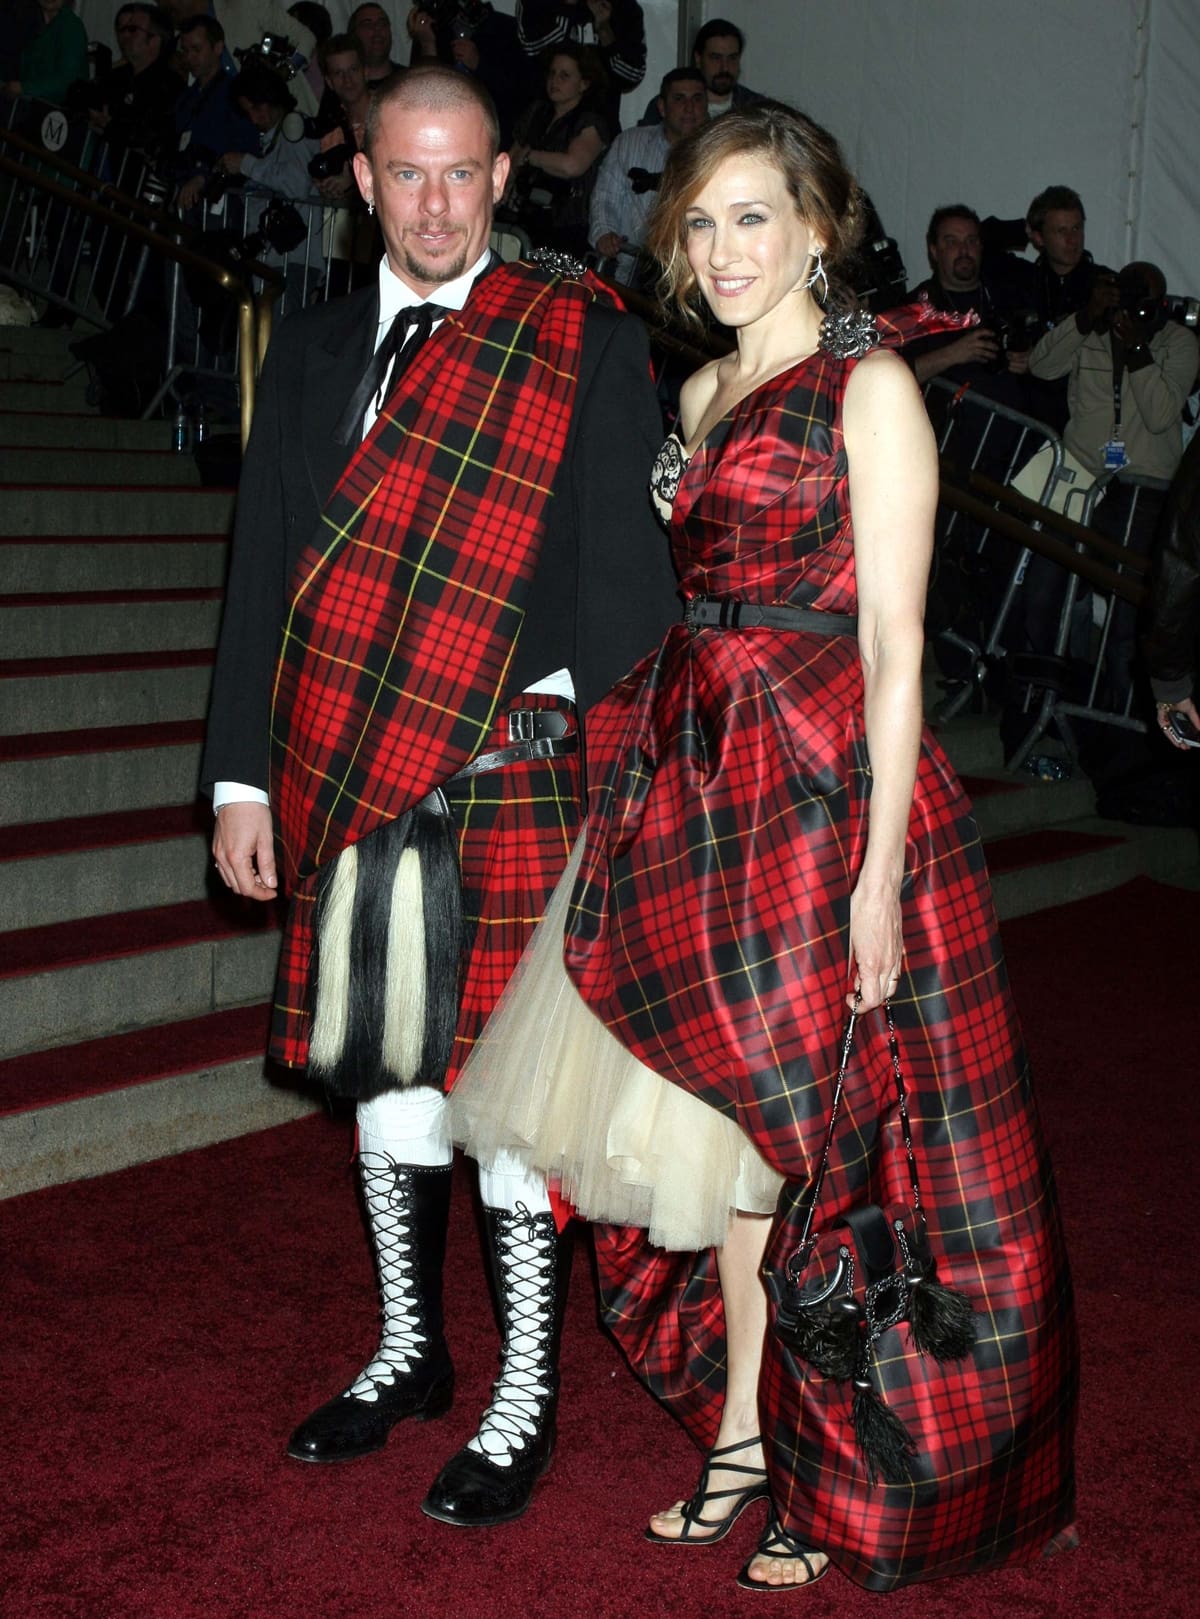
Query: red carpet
(166,1326)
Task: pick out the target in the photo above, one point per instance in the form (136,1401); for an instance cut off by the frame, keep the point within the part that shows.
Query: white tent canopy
(939,101)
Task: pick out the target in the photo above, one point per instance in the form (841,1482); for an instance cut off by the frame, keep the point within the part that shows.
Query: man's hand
(1102,300)
(232,162)
(609,245)
(466,53)
(337,187)
(976,347)
(601,11)
(1018,361)
(1130,333)
(190,193)
(420,28)
(244,849)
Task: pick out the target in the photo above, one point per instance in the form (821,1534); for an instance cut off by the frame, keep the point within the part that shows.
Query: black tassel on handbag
(871,1270)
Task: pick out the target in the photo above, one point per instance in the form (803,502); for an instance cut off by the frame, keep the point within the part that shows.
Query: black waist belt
(724,613)
(536,733)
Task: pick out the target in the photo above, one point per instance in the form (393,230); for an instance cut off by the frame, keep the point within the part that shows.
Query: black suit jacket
(604,591)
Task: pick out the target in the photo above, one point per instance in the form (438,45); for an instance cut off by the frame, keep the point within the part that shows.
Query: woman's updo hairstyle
(826,194)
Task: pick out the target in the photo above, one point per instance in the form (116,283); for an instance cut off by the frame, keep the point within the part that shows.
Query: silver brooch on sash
(848,334)
(564,264)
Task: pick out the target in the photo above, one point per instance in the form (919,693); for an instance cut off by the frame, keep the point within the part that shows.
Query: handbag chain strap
(834,1111)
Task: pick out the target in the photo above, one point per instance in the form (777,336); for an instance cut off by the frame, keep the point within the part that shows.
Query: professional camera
(1184,311)
(458,18)
(1137,305)
(274,51)
(280,229)
(326,164)
(643,180)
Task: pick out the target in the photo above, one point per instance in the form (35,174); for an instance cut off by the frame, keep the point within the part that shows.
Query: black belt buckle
(535,724)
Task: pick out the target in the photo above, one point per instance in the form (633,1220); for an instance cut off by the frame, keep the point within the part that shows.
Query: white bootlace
(387,1188)
(526,1245)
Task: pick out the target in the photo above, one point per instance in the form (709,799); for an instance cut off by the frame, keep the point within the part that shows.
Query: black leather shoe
(347,1427)
(474,1493)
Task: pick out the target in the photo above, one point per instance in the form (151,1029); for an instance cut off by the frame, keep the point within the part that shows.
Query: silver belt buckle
(522,725)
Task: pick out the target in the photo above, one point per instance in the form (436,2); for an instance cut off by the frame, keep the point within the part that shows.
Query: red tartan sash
(405,609)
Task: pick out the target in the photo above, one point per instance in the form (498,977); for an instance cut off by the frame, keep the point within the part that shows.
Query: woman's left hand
(876,948)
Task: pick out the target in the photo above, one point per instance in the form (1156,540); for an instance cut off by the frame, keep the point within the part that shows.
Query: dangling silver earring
(818,274)
(370,208)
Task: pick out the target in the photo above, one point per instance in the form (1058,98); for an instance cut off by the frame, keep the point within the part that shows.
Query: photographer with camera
(627,184)
(280,169)
(133,106)
(992,357)
(1129,370)
(207,120)
(475,38)
(345,74)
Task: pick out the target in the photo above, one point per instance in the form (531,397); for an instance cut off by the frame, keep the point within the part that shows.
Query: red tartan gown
(710,931)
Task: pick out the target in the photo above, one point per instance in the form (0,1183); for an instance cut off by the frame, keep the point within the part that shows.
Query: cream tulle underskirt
(548,1082)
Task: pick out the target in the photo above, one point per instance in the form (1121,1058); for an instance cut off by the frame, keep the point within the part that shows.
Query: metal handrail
(1059,550)
(254,312)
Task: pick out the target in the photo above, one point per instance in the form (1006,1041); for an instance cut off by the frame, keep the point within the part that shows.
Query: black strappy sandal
(777,1541)
(740,1498)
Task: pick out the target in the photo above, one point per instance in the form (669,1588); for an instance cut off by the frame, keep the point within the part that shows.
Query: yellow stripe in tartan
(510,351)
(342,532)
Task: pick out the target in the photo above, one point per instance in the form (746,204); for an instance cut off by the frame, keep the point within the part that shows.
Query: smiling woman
(773,838)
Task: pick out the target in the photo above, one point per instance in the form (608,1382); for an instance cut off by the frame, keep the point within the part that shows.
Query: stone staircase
(132,989)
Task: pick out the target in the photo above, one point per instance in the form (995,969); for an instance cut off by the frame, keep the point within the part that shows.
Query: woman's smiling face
(747,246)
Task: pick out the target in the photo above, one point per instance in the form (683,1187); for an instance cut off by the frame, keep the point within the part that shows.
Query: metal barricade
(125,233)
(976,434)
(49,248)
(1099,685)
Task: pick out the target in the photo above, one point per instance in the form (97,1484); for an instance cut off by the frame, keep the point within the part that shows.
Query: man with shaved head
(443,554)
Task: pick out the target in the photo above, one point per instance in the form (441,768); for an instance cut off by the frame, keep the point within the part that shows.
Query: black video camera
(643,180)
(333,161)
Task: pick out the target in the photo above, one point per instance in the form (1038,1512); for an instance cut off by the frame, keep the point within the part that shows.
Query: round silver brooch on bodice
(668,469)
(848,334)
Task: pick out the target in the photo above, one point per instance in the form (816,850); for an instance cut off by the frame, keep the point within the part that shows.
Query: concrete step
(98,1134)
(39,340)
(69,694)
(1020,803)
(128,768)
(81,431)
(106,510)
(191,960)
(28,464)
(62,871)
(102,1104)
(34,364)
(1037,887)
(55,395)
(118,562)
(59,626)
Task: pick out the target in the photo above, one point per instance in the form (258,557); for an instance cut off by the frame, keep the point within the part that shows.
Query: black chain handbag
(846,1285)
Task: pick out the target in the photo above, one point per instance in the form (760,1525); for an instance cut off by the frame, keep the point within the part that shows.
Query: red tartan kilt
(516,828)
